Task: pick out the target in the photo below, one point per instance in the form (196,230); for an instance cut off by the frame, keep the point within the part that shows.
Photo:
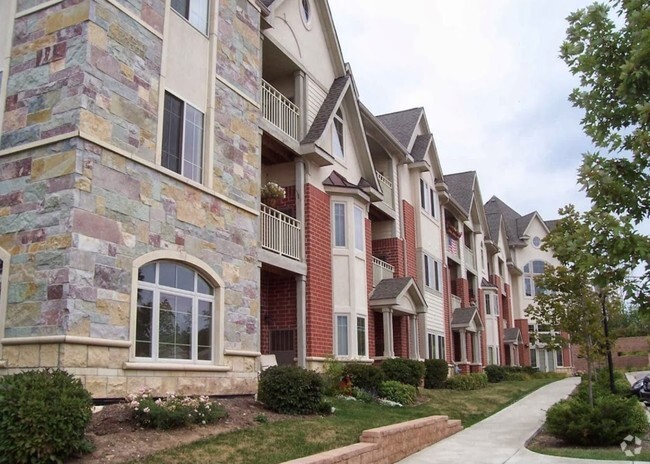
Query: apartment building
(136,247)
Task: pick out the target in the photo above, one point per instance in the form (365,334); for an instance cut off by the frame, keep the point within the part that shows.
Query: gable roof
(337,180)
(494,225)
(551,224)
(464,318)
(327,109)
(461,188)
(420,146)
(512,335)
(495,206)
(402,124)
(391,292)
(523,223)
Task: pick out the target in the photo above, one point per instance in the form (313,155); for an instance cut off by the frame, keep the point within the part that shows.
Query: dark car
(635,389)
(644,391)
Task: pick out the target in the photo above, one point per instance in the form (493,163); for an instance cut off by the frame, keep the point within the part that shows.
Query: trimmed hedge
(364,376)
(495,373)
(610,420)
(292,390)
(406,371)
(435,373)
(467,382)
(43,417)
(400,393)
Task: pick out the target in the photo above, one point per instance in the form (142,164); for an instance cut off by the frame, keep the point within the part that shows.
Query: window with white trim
(339,225)
(431,346)
(432,273)
(488,304)
(361,336)
(175,314)
(531,270)
(559,357)
(195,11)
(359,237)
(533,357)
(182,147)
(491,358)
(338,141)
(342,337)
(441,347)
(427,198)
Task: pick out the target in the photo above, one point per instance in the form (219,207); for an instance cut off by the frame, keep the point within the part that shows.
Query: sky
(491,82)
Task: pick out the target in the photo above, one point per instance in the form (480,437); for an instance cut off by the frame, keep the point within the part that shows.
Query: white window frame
(195,296)
(431,345)
(432,272)
(339,226)
(186,123)
(559,357)
(533,357)
(428,199)
(342,336)
(198,14)
(530,289)
(338,135)
(362,348)
(359,229)
(440,347)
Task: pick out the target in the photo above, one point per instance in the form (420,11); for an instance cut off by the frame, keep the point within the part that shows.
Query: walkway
(501,438)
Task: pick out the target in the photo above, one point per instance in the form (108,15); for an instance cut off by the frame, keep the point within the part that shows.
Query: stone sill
(69,339)
(150,366)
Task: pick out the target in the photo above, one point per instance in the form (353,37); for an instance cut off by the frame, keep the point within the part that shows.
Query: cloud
(491,82)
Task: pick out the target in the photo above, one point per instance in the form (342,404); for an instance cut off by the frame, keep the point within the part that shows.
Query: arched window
(175,317)
(532,269)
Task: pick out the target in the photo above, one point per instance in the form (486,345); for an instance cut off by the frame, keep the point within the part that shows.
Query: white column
(300,203)
(300,90)
(388,333)
(301,316)
(463,346)
(478,359)
(415,349)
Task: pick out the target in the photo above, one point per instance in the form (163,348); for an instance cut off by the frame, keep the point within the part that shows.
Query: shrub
(43,417)
(291,390)
(406,371)
(332,375)
(467,382)
(435,373)
(173,411)
(362,395)
(398,392)
(364,376)
(495,373)
(610,420)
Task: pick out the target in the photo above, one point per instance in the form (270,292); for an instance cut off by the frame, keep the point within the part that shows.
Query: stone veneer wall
(79,209)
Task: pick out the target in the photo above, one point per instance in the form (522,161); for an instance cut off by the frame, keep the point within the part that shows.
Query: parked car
(635,389)
(644,392)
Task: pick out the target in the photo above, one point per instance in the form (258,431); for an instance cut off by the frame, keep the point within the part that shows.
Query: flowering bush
(173,411)
(273,190)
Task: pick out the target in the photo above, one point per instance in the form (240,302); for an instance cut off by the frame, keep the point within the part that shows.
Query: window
(533,357)
(361,336)
(491,358)
(305,12)
(339,225)
(435,346)
(427,198)
(195,11)
(531,270)
(537,241)
(175,315)
(342,336)
(337,135)
(559,356)
(441,347)
(432,273)
(359,237)
(182,149)
(431,345)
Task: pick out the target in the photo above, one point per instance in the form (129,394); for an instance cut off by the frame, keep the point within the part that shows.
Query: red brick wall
(318,248)
(627,352)
(288,204)
(400,334)
(278,304)
(390,250)
(462,290)
(370,334)
(524,349)
(409,236)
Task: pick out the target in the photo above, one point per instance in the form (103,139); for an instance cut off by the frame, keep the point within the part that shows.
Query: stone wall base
(389,444)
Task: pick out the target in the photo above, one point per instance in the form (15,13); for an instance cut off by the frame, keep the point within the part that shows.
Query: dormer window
(337,135)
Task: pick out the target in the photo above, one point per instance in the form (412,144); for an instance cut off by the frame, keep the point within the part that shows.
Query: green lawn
(297,437)
(612,454)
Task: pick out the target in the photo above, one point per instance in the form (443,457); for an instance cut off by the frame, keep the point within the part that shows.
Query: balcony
(456,302)
(470,260)
(387,188)
(453,247)
(280,111)
(280,233)
(381,270)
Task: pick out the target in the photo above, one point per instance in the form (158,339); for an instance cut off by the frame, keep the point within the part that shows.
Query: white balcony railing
(280,111)
(387,188)
(280,233)
(381,270)
(453,247)
(470,261)
(456,302)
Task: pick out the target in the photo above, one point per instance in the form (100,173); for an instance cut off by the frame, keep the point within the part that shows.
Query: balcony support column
(300,203)
(301,318)
(301,101)
(389,351)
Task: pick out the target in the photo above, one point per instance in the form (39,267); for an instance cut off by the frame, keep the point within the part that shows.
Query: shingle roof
(522,223)
(337,180)
(551,224)
(461,188)
(494,225)
(390,288)
(485,283)
(511,335)
(267,2)
(419,150)
(495,206)
(326,110)
(463,317)
(402,124)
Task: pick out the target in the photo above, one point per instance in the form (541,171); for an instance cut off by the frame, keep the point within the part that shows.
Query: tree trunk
(589,371)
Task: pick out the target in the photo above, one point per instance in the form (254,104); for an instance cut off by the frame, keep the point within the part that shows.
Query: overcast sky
(490,80)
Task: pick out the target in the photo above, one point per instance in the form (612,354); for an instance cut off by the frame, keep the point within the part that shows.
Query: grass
(297,437)
(613,453)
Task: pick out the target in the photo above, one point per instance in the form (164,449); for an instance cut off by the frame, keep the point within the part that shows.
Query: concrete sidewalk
(501,438)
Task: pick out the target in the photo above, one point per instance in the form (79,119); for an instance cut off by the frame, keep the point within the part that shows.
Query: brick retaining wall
(389,444)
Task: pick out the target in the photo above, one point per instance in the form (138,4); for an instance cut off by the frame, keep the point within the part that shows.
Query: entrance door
(283,346)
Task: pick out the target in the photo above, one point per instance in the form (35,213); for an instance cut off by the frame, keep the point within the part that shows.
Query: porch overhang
(467,319)
(401,295)
(512,336)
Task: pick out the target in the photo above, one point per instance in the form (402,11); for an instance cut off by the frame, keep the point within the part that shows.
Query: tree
(612,60)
